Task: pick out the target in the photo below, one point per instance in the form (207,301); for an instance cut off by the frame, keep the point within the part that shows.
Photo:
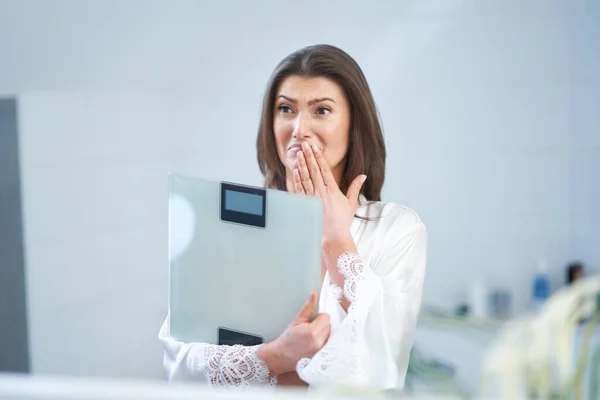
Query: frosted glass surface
(240,277)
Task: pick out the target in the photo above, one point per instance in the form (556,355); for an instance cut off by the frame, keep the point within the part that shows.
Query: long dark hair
(366,149)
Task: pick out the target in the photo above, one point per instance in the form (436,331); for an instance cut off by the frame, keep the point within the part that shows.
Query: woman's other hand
(302,338)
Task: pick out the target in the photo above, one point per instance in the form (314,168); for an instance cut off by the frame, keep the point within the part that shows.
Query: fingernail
(305,146)
(315,148)
(363,179)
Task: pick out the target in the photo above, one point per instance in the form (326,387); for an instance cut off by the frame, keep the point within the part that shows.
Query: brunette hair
(366,147)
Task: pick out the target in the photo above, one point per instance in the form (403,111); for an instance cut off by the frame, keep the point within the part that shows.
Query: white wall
(490,110)
(585,128)
(94,178)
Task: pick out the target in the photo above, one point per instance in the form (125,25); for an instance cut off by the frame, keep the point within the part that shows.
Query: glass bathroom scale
(243,260)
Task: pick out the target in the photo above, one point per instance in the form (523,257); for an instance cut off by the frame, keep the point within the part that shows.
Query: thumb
(354,189)
(307,309)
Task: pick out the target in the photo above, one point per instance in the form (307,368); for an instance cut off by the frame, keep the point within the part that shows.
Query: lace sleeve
(339,359)
(236,366)
(218,366)
(357,278)
(371,345)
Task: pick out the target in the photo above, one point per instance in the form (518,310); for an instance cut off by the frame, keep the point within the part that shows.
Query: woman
(319,135)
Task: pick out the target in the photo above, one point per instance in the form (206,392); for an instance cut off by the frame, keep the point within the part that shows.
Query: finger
(298,182)
(354,189)
(321,322)
(307,309)
(313,169)
(326,174)
(323,335)
(305,175)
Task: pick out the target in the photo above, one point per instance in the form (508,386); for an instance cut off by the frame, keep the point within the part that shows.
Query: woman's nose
(301,127)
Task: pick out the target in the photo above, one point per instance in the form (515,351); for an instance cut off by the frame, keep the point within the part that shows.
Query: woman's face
(312,110)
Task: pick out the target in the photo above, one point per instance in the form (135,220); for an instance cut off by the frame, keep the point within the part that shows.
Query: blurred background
(491,113)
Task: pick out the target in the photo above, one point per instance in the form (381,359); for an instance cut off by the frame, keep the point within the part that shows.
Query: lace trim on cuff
(358,278)
(236,366)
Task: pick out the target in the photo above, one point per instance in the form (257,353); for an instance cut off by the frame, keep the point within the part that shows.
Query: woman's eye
(323,111)
(284,109)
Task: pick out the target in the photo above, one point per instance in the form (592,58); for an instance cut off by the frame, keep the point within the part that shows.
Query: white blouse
(368,345)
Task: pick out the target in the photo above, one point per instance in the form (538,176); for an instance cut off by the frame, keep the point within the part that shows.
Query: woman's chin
(291,163)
